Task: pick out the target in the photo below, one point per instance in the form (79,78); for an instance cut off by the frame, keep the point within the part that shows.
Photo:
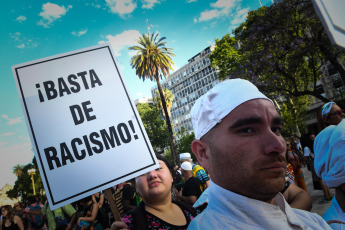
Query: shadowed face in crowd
(245,152)
(335,115)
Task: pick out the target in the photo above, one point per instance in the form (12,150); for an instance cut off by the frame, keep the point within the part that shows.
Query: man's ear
(199,149)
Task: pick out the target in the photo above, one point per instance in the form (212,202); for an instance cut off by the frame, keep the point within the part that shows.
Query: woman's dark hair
(167,163)
(10,213)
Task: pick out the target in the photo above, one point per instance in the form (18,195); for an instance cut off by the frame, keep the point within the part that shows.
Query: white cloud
(240,16)
(22,41)
(123,40)
(50,13)
(195,20)
(12,121)
(148,4)
(219,9)
(6,134)
(121,7)
(79,33)
(21,18)
(189,1)
(2,143)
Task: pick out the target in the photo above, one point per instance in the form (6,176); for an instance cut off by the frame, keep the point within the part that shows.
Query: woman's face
(155,184)
(3,212)
(335,115)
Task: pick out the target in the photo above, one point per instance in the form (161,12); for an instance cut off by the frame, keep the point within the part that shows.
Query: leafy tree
(153,61)
(23,184)
(185,142)
(155,126)
(169,97)
(283,49)
(17,170)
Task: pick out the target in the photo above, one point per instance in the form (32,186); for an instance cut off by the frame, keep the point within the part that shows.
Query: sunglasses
(338,112)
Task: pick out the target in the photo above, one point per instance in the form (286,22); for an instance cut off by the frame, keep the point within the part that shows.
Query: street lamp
(32,173)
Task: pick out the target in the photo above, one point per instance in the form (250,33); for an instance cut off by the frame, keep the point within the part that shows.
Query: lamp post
(32,173)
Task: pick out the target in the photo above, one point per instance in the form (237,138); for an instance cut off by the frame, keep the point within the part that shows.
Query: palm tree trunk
(167,120)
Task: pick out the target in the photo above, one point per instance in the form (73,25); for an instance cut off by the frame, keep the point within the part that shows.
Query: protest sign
(331,15)
(85,130)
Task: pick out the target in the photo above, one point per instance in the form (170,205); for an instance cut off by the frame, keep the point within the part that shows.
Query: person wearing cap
(198,171)
(190,191)
(329,114)
(329,164)
(238,139)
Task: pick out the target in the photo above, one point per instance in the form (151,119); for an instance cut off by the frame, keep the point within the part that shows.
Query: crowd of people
(247,175)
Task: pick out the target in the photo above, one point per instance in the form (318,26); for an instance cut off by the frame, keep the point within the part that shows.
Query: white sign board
(85,130)
(331,13)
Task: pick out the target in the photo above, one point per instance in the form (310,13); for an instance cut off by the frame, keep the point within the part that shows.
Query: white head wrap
(185,156)
(329,160)
(218,102)
(187,166)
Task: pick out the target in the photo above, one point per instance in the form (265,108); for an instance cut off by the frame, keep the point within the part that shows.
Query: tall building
(188,84)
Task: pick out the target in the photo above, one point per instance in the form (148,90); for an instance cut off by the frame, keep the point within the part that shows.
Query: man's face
(247,152)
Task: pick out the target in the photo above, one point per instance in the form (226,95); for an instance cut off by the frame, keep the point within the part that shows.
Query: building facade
(187,84)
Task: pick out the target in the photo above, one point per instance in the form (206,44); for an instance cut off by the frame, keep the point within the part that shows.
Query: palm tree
(153,61)
(17,170)
(169,97)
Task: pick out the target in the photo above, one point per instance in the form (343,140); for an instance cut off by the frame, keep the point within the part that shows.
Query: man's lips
(275,166)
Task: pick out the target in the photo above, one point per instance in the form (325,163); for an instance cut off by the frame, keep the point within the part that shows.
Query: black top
(191,188)
(13,226)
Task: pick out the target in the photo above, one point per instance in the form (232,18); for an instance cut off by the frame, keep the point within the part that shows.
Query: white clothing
(228,210)
(307,152)
(202,199)
(334,212)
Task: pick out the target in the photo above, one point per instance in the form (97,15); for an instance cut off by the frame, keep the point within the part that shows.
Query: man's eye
(277,130)
(246,130)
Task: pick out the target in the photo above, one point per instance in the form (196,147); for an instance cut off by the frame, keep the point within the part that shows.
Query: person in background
(238,139)
(198,171)
(329,114)
(60,217)
(191,189)
(9,220)
(330,166)
(296,164)
(308,143)
(157,210)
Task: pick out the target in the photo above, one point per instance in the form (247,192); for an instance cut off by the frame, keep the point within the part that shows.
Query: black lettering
(63,88)
(76,87)
(87,111)
(109,139)
(49,88)
(40,96)
(123,127)
(87,144)
(93,140)
(82,75)
(94,78)
(75,150)
(75,109)
(65,154)
(52,157)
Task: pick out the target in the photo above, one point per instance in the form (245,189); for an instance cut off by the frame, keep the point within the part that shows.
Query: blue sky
(36,29)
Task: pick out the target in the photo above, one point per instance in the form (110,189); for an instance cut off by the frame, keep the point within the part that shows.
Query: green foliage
(23,184)
(226,56)
(169,97)
(185,143)
(294,111)
(283,48)
(155,126)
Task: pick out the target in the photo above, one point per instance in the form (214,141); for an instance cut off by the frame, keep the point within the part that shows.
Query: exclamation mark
(132,127)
